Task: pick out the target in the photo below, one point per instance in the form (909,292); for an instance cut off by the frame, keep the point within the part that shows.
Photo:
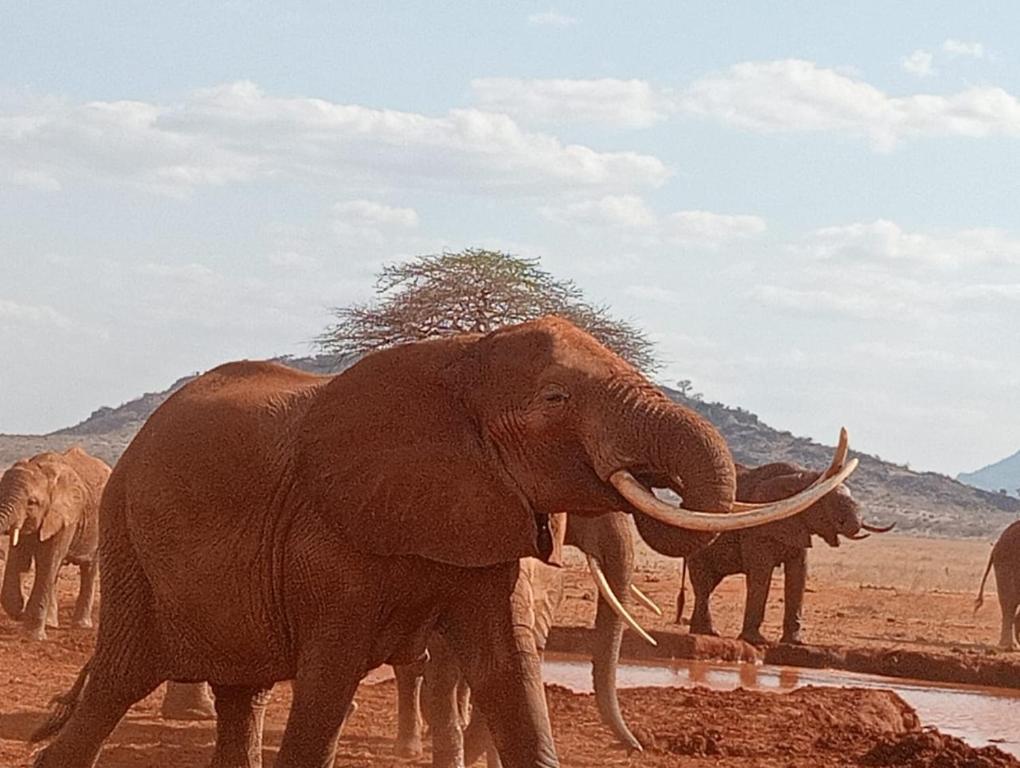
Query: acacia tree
(473,291)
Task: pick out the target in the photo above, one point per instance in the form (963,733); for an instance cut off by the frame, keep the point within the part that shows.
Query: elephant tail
(62,707)
(981,592)
(681,596)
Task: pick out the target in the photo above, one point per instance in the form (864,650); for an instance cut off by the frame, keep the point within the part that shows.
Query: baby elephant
(49,505)
(757,551)
(1005,558)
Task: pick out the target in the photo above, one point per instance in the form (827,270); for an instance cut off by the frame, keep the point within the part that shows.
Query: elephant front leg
(240,713)
(42,598)
(702,584)
(759,578)
(12,598)
(794,583)
(86,595)
(493,639)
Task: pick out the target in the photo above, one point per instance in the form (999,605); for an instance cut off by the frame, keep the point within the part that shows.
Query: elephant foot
(187,701)
(753,638)
(791,639)
(83,623)
(408,748)
(34,633)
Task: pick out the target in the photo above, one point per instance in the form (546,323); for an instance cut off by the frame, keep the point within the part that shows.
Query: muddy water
(979,716)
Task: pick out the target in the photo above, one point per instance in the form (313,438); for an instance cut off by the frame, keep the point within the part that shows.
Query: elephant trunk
(606,655)
(682,451)
(10,521)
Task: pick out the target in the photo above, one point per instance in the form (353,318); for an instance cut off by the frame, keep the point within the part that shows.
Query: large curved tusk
(645,600)
(15,536)
(614,602)
(839,457)
(678,517)
(878,529)
(859,536)
(838,460)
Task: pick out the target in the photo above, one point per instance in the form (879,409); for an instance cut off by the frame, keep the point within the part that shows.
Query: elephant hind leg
(129,663)
(106,697)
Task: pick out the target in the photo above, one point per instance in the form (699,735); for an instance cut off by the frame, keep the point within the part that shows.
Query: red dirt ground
(856,601)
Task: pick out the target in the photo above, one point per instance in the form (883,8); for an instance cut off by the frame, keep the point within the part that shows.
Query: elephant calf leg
(240,712)
(86,595)
(443,677)
(409,720)
(187,701)
(42,601)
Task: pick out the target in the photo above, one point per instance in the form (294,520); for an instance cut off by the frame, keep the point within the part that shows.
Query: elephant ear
(392,456)
(67,498)
(773,482)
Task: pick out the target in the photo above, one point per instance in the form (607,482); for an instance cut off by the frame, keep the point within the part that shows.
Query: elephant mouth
(745,515)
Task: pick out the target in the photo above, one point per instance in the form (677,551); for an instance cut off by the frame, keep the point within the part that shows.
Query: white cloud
(367,212)
(714,229)
(625,211)
(551,18)
(235,132)
(369,220)
(797,95)
(884,241)
(629,213)
(918,63)
(920,358)
(629,103)
(35,180)
(32,314)
(960,48)
(292,259)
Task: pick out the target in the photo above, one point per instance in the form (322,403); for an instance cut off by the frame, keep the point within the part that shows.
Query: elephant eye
(33,501)
(556,397)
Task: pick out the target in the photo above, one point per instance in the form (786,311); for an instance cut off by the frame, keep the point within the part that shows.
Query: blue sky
(812,209)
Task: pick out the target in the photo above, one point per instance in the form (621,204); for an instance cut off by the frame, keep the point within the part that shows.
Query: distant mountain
(1003,474)
(922,503)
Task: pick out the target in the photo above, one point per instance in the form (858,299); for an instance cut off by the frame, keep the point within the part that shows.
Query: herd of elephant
(267,525)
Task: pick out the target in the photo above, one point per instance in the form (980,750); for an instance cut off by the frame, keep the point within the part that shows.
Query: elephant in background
(458,739)
(757,552)
(267,524)
(1005,558)
(49,505)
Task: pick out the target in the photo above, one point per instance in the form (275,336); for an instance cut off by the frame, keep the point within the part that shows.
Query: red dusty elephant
(1005,558)
(757,552)
(49,504)
(267,524)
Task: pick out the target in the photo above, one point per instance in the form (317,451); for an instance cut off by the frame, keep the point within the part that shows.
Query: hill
(923,503)
(1002,475)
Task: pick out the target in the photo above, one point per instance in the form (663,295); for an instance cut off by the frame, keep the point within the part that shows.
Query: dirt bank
(809,727)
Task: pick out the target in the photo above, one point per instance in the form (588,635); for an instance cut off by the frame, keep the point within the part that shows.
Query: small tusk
(713,522)
(837,463)
(859,536)
(614,602)
(645,600)
(15,536)
(878,529)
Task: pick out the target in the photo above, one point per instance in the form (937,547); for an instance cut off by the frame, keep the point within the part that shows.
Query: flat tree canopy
(473,291)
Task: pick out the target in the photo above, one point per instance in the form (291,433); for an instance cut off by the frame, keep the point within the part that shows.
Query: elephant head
(470,442)
(837,514)
(40,495)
